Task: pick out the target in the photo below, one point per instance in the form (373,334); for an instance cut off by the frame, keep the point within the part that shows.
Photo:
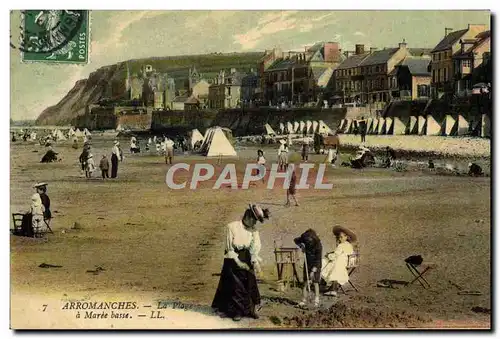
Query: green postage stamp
(55,36)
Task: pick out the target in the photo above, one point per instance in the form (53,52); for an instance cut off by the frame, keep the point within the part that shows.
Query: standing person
(104,166)
(169,151)
(291,191)
(90,166)
(261,161)
(362,129)
(310,243)
(115,156)
(305,151)
(280,149)
(37,209)
(238,293)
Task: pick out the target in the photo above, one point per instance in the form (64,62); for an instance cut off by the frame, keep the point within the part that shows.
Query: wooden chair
(287,257)
(418,272)
(17,219)
(352,264)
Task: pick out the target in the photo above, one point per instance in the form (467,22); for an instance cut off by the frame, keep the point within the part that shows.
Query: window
(229,91)
(466,63)
(377,69)
(439,76)
(434,75)
(445,78)
(439,56)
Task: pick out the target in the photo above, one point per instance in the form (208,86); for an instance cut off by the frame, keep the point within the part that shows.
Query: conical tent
(308,126)
(86,132)
(431,126)
(342,126)
(119,128)
(374,126)
(269,130)
(369,125)
(54,133)
(219,145)
(315,126)
(485,126)
(71,132)
(421,125)
(196,136)
(282,128)
(388,128)
(60,135)
(398,126)
(295,126)
(302,126)
(412,127)
(461,126)
(79,133)
(289,127)
(323,128)
(381,126)
(447,125)
(206,140)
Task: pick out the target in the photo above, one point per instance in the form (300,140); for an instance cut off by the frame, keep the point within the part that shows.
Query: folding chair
(47,221)
(352,264)
(418,271)
(17,218)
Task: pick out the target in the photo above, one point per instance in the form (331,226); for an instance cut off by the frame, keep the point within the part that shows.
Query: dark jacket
(104,164)
(313,248)
(46,203)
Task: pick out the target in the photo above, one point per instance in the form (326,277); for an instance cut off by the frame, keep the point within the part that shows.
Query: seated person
(390,157)
(334,264)
(50,156)
(475,170)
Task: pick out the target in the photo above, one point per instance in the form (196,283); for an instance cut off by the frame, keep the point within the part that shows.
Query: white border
(195,4)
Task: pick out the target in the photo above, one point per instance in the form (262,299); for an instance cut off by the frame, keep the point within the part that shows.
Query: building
(250,87)
(200,91)
(225,92)
(442,65)
(192,104)
(365,76)
(299,77)
(472,63)
(411,78)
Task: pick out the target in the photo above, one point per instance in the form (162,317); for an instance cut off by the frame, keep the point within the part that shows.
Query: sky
(122,35)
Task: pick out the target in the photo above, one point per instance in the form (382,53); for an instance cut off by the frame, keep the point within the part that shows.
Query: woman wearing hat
(238,293)
(27,222)
(335,263)
(115,155)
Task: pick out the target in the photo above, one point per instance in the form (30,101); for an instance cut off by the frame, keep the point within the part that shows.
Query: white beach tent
(412,127)
(447,125)
(302,126)
(282,128)
(86,132)
(119,128)
(289,127)
(421,125)
(78,133)
(71,132)
(369,125)
(398,126)
(323,128)
(485,126)
(60,135)
(269,130)
(315,126)
(461,126)
(309,126)
(195,137)
(374,129)
(218,144)
(381,126)
(388,123)
(343,125)
(295,126)
(431,126)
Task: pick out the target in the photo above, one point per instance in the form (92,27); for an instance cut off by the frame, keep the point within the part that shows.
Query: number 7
(44,308)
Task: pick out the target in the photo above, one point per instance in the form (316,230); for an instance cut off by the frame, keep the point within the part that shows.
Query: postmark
(55,36)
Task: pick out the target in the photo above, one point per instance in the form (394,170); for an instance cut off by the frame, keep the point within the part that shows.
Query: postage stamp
(55,36)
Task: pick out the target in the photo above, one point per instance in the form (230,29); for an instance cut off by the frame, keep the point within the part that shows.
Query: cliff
(89,91)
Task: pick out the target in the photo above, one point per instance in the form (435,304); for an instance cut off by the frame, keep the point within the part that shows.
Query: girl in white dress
(237,293)
(334,264)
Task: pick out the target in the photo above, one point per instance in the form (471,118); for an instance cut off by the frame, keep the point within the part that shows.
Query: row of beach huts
(420,125)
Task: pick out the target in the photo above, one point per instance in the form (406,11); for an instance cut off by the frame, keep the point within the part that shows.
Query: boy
(310,243)
(104,166)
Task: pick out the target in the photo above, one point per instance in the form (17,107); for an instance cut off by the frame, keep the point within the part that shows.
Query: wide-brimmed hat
(259,213)
(40,184)
(116,142)
(351,237)
(282,141)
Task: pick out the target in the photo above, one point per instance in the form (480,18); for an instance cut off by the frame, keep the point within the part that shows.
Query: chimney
(347,54)
(446,30)
(402,45)
(360,49)
(372,49)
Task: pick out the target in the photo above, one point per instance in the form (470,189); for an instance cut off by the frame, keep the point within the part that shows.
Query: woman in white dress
(334,265)
(237,293)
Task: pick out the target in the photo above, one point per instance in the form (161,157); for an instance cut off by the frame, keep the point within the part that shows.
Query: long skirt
(114,165)
(27,225)
(237,293)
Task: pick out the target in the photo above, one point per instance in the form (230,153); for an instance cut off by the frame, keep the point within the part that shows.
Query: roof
(420,51)
(478,40)
(282,64)
(353,61)
(449,40)
(181,98)
(416,65)
(379,57)
(192,100)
